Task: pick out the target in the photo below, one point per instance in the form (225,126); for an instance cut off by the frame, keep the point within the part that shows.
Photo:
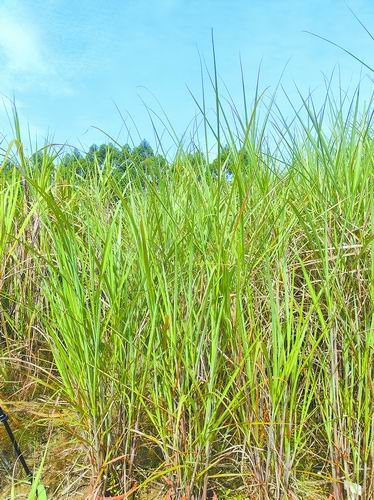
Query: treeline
(123,158)
(120,158)
(141,159)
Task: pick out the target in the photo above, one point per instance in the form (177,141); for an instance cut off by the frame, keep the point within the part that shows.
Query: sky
(74,67)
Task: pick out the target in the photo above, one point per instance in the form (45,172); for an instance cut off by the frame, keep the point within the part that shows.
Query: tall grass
(196,335)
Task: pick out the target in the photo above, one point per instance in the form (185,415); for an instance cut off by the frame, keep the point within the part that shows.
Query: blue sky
(67,62)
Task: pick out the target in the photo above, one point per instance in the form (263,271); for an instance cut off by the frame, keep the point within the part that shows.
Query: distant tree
(143,151)
(71,157)
(225,162)
(108,152)
(36,158)
(140,160)
(125,159)
(195,157)
(90,156)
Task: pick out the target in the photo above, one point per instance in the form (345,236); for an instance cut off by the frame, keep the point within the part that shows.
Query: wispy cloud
(25,58)
(20,47)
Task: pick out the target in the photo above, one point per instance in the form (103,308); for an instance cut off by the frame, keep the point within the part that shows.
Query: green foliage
(211,335)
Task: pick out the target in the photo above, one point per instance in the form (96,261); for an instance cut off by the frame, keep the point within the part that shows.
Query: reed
(195,333)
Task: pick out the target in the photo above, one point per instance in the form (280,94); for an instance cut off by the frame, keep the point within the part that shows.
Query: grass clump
(199,328)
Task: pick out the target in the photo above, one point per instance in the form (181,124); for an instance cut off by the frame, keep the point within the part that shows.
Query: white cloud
(25,59)
(20,47)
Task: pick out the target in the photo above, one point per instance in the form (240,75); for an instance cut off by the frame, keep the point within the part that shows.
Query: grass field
(185,334)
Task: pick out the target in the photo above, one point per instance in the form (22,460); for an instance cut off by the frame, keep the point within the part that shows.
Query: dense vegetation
(195,328)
